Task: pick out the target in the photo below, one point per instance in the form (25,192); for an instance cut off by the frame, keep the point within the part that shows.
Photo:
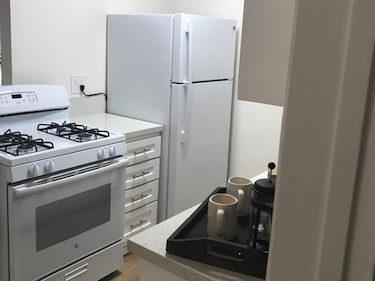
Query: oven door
(65,217)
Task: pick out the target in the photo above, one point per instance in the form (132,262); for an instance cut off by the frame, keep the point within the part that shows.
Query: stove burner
(60,130)
(26,147)
(4,138)
(73,131)
(17,144)
(10,137)
(84,135)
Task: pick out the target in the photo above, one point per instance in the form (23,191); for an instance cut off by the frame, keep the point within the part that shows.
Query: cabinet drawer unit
(140,219)
(143,150)
(142,173)
(92,267)
(141,195)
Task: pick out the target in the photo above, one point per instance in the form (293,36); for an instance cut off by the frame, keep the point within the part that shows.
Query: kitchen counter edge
(130,127)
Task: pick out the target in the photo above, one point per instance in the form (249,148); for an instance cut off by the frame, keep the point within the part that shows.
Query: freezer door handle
(189,38)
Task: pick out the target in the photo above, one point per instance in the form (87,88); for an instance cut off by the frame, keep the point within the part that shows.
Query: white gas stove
(61,189)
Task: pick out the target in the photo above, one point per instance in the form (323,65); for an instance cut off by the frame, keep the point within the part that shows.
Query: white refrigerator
(176,70)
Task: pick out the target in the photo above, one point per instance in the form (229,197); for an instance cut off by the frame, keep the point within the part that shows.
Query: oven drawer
(143,150)
(141,195)
(140,219)
(92,267)
(141,173)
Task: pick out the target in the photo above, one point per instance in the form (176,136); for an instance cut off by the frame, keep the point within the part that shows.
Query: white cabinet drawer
(92,267)
(141,173)
(140,219)
(141,195)
(143,150)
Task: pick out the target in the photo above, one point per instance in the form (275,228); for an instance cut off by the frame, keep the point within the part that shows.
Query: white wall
(53,39)
(256,132)
(141,6)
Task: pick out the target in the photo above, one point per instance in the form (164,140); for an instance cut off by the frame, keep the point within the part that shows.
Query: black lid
(265,187)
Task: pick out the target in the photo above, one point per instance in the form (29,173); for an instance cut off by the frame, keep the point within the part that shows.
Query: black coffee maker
(262,198)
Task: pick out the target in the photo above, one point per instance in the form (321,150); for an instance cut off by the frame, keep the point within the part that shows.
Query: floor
(128,272)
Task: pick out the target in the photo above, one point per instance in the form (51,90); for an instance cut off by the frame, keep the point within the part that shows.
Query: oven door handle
(22,191)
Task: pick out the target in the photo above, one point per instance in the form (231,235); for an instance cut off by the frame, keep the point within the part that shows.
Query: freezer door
(199,144)
(204,48)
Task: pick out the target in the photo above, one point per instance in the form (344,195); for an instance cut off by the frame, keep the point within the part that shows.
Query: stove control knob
(34,170)
(49,167)
(112,151)
(101,153)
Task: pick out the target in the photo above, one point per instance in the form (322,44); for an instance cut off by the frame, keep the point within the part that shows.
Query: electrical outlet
(77,80)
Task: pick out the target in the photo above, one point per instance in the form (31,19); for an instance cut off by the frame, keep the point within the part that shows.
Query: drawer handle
(143,151)
(142,197)
(142,175)
(132,226)
(76,272)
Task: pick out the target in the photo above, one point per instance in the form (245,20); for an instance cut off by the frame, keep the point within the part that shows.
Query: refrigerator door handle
(189,38)
(184,113)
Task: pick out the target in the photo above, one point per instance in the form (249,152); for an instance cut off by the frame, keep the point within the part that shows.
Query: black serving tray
(190,241)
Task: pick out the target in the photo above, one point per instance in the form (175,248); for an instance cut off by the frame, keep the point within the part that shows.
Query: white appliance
(177,70)
(61,190)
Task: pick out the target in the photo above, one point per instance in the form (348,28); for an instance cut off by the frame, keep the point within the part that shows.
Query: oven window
(68,217)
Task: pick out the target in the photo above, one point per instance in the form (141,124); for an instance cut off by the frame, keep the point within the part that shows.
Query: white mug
(240,188)
(222,216)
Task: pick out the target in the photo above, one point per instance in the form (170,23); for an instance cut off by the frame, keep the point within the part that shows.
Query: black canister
(262,198)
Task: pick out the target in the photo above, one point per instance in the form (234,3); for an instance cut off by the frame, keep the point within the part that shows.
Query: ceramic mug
(222,216)
(240,188)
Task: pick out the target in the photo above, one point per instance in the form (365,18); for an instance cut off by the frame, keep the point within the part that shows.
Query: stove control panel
(17,98)
(49,167)
(53,165)
(112,151)
(101,153)
(34,170)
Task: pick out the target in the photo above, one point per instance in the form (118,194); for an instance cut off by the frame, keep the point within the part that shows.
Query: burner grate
(73,131)
(16,143)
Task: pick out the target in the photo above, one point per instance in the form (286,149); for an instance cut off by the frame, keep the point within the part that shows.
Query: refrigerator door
(139,59)
(199,143)
(139,62)
(204,48)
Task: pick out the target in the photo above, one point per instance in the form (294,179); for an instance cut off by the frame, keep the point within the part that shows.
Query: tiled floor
(129,271)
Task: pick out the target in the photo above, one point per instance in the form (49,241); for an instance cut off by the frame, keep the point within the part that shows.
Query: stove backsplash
(81,105)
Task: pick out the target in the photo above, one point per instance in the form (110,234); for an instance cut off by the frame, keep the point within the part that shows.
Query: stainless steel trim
(143,151)
(139,199)
(132,226)
(76,272)
(142,175)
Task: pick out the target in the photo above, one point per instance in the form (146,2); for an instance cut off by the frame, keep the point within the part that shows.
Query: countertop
(151,246)
(131,128)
